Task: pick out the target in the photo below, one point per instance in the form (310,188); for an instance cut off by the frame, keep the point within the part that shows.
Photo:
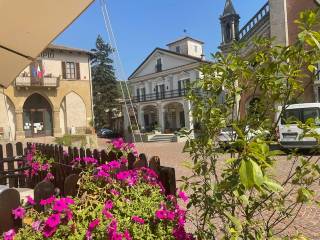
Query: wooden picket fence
(13,167)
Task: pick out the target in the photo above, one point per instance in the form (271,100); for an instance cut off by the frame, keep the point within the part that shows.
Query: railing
(40,82)
(260,16)
(160,96)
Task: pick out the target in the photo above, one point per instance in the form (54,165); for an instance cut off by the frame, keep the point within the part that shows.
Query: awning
(28,26)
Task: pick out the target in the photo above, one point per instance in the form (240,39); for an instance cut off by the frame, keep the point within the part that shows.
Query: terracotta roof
(186,38)
(65,48)
(168,51)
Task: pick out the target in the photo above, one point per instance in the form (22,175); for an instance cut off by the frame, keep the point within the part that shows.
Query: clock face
(317,2)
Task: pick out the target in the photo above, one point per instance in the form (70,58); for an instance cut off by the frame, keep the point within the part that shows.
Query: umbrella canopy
(28,26)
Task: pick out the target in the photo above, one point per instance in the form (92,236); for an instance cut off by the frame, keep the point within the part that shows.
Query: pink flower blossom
(114,192)
(183,196)
(48,201)
(108,205)
(118,143)
(60,206)
(48,231)
(9,235)
(19,213)
(30,201)
(53,220)
(49,177)
(107,214)
(36,225)
(91,227)
(127,235)
(138,219)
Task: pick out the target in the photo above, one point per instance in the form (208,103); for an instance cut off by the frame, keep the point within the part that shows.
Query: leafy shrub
(234,191)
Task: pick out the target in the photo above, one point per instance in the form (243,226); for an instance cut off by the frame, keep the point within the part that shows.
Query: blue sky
(142,25)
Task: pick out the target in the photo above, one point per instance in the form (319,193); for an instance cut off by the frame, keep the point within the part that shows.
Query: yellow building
(50,97)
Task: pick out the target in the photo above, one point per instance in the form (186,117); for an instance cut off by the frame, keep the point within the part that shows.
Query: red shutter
(78,70)
(64,72)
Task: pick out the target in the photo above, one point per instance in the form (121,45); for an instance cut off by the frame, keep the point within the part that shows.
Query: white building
(158,86)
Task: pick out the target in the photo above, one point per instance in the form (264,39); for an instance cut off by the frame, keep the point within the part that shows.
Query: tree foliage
(105,86)
(234,192)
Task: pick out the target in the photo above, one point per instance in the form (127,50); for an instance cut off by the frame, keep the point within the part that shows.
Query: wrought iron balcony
(27,81)
(160,96)
(261,15)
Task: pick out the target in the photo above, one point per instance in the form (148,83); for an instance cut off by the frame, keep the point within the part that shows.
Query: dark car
(106,133)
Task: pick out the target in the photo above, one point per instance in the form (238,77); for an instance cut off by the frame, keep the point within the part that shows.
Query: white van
(289,133)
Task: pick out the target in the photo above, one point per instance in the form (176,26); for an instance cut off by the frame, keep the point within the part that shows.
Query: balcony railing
(160,96)
(37,82)
(259,17)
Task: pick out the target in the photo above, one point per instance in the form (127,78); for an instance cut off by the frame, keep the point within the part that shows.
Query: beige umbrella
(27,27)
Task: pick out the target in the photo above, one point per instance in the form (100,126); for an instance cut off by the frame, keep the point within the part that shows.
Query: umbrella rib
(18,53)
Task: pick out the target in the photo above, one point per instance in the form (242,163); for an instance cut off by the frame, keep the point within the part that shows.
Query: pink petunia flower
(53,220)
(137,219)
(108,205)
(183,196)
(19,213)
(114,192)
(107,214)
(47,201)
(9,235)
(91,227)
(30,201)
(127,235)
(49,231)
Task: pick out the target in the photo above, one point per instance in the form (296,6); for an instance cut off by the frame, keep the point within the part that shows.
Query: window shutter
(64,72)
(78,70)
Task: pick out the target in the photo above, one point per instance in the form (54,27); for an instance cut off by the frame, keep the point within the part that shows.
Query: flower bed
(112,203)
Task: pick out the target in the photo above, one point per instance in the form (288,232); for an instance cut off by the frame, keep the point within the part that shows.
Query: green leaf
(312,68)
(250,174)
(236,222)
(272,185)
(304,195)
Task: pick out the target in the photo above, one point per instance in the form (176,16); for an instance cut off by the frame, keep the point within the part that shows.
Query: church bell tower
(229,26)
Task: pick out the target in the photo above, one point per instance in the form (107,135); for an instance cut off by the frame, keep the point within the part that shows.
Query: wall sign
(47,54)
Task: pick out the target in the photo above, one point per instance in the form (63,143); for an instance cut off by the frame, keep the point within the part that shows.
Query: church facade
(275,20)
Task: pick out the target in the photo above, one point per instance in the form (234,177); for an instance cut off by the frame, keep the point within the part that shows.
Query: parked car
(229,135)
(289,134)
(106,133)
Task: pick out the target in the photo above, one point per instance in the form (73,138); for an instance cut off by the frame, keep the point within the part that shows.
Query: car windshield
(293,116)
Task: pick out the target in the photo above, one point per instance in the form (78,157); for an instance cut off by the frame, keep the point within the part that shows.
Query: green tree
(234,192)
(105,86)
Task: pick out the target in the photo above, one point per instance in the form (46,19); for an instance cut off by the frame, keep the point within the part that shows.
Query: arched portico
(149,118)
(174,117)
(37,116)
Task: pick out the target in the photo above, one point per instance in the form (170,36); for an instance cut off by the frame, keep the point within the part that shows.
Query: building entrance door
(38,120)
(37,117)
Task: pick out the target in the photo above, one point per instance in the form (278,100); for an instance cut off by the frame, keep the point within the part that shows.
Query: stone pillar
(188,116)
(161,117)
(19,127)
(141,120)
(56,123)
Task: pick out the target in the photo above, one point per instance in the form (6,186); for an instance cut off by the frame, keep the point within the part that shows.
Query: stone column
(56,123)
(19,127)
(161,117)
(188,116)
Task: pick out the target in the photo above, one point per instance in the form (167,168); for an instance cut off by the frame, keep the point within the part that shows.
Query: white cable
(110,40)
(119,63)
